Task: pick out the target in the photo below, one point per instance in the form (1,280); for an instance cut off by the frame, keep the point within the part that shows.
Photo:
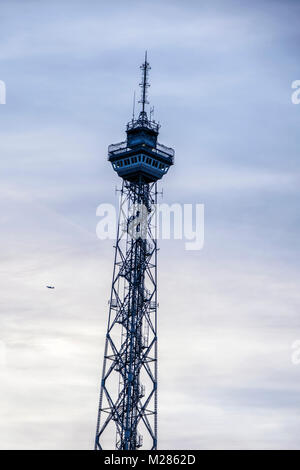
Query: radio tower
(127,416)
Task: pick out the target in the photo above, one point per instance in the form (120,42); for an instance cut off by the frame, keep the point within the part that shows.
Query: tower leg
(127,416)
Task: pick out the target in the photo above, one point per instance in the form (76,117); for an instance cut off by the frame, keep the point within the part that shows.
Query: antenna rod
(145,68)
(133,109)
(144,81)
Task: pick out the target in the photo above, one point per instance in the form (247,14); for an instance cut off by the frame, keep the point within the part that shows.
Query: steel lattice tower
(127,416)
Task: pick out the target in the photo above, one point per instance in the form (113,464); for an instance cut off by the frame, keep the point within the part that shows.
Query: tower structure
(127,415)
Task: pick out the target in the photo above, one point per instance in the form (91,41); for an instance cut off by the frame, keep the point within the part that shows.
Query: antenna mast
(127,413)
(145,67)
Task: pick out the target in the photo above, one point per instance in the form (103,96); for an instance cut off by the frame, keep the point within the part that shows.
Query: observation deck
(141,157)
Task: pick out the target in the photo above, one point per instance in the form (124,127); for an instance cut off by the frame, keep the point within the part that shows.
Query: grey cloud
(221,85)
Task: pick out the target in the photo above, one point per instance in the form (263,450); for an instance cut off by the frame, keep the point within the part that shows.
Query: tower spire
(145,67)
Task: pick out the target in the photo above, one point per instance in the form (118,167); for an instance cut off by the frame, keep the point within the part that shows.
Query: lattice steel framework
(130,356)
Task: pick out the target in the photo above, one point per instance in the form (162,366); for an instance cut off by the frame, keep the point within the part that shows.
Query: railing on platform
(160,149)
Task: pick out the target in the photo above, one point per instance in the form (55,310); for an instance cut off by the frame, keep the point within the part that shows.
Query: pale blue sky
(221,86)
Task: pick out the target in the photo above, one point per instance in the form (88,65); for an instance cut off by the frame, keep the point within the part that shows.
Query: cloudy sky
(221,86)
